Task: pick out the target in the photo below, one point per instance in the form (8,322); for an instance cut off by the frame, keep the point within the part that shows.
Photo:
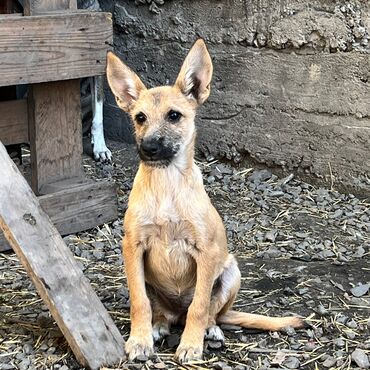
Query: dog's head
(163,116)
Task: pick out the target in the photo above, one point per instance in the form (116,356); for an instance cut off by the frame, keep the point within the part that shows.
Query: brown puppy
(175,250)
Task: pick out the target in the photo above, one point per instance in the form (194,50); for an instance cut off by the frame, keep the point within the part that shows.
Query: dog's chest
(169,263)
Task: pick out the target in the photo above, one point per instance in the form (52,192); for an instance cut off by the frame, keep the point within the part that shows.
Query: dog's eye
(140,118)
(174,116)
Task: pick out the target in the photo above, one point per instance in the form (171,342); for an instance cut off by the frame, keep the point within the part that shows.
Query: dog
(175,250)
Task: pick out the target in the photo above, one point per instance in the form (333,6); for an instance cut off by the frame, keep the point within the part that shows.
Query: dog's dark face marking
(164,124)
(158,151)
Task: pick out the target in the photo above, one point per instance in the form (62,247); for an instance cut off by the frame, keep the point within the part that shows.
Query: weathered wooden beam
(14,122)
(53,47)
(77,206)
(89,330)
(55,132)
(81,207)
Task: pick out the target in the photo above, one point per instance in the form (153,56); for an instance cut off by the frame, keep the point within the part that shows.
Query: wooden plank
(55,132)
(14,122)
(33,7)
(81,207)
(78,207)
(89,330)
(53,47)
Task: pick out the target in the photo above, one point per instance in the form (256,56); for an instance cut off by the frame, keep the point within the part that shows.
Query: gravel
(301,250)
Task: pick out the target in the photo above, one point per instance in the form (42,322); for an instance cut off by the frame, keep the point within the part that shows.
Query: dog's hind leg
(161,322)
(227,288)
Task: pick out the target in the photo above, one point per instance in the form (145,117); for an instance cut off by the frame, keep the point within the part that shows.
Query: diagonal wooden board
(89,330)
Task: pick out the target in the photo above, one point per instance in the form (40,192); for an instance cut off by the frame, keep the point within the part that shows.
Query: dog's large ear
(124,83)
(195,75)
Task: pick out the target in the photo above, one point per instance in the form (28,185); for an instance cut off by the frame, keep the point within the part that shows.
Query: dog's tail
(254,321)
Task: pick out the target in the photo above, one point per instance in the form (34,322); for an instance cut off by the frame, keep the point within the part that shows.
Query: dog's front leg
(191,344)
(140,341)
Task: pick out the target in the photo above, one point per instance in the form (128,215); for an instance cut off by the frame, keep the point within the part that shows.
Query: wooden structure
(50,48)
(80,315)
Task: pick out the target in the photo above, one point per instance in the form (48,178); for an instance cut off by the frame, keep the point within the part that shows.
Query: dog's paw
(214,333)
(100,150)
(138,346)
(102,154)
(187,353)
(160,330)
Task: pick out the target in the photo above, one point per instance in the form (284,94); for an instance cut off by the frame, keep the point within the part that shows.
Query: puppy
(175,250)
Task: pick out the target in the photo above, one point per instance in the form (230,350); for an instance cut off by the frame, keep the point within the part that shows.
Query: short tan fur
(175,250)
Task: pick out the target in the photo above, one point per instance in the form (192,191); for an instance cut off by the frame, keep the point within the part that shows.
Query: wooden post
(54,119)
(50,51)
(89,330)
(55,132)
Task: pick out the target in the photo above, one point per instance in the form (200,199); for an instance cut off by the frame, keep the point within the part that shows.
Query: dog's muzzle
(154,151)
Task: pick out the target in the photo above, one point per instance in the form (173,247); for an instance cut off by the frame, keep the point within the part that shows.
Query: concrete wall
(291,86)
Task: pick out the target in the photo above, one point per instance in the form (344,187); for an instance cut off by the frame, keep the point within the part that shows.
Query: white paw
(160,330)
(139,346)
(214,333)
(101,152)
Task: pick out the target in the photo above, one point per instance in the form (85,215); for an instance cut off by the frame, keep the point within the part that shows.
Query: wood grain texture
(79,313)
(81,207)
(55,132)
(33,7)
(14,122)
(53,47)
(78,207)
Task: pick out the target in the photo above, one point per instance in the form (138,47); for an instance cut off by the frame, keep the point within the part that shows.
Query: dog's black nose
(151,147)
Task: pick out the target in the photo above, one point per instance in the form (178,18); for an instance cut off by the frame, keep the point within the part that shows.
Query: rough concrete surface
(291,81)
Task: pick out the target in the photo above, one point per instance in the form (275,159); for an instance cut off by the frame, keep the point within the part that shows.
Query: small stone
(337,214)
(64,367)
(339,342)
(360,251)
(360,290)
(214,344)
(352,324)
(43,347)
(27,349)
(329,362)
(160,365)
(7,366)
(210,179)
(23,365)
(289,331)
(350,334)
(221,366)
(259,176)
(360,358)
(99,255)
(270,236)
(51,350)
(292,363)
(322,310)
(98,245)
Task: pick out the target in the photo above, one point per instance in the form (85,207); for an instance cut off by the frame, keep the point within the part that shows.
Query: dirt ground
(301,250)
